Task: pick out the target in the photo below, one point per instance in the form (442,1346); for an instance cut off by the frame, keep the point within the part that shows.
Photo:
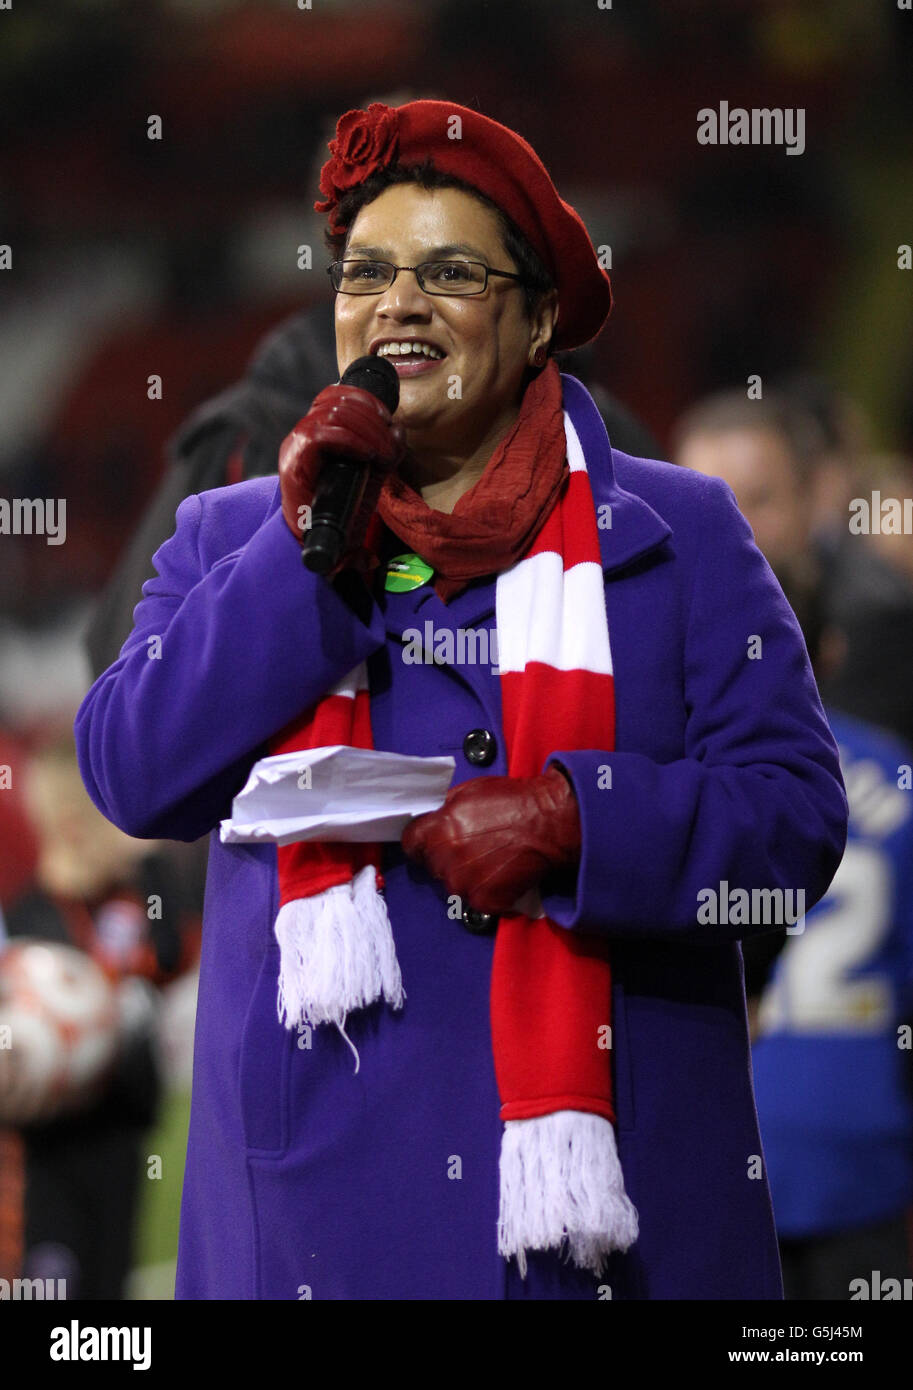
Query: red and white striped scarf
(561,1185)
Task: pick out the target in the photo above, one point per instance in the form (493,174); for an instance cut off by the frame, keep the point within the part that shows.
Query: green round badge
(406,572)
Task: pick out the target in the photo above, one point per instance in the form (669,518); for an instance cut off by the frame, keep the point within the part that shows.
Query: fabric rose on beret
(365,141)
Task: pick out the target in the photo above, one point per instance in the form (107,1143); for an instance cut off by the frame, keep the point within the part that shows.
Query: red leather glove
(341,420)
(496,837)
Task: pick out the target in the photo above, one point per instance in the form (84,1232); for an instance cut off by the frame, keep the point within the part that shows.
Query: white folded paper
(336,793)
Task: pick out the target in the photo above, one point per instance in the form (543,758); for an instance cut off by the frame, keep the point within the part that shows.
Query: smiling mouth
(416,351)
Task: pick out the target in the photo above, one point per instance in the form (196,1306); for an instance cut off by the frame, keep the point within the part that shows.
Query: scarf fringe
(336,953)
(562,1187)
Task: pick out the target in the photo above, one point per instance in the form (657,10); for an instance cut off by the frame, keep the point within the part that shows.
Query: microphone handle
(339,491)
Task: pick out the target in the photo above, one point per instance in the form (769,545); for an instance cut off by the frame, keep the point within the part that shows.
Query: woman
(552,1097)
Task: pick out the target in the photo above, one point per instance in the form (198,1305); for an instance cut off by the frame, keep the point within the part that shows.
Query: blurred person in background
(843,446)
(115,899)
(867,595)
(831,1005)
(767,451)
(859,582)
(891,477)
(883,508)
(832,1056)
(537,899)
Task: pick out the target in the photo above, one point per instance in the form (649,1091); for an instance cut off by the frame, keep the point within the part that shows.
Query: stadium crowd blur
(162,330)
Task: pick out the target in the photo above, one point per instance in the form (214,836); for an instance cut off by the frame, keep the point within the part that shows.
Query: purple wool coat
(304,1179)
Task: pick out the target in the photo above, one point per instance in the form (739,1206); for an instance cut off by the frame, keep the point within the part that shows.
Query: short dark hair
(776,413)
(536,279)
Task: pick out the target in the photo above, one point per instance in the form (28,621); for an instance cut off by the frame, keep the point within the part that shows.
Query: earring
(539,356)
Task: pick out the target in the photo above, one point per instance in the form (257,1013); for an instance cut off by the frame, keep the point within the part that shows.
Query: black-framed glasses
(434,277)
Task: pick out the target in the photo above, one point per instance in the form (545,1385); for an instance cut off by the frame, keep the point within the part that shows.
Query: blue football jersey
(832,1059)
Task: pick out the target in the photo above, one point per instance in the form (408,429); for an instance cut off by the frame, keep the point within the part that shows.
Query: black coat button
(480,747)
(479,923)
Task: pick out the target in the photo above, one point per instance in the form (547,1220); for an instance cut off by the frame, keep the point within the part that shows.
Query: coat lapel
(628,526)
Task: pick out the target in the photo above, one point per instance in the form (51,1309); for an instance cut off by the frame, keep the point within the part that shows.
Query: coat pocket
(267,1047)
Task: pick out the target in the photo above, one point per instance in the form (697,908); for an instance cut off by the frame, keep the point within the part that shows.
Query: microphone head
(374,374)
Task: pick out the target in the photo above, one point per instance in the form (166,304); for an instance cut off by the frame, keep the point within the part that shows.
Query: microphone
(342,480)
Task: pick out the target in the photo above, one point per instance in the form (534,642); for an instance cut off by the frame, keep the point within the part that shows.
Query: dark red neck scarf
(496,520)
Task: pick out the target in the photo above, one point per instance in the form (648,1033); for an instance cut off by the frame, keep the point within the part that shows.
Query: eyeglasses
(434,277)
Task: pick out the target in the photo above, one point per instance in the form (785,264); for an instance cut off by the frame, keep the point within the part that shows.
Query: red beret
(499,163)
